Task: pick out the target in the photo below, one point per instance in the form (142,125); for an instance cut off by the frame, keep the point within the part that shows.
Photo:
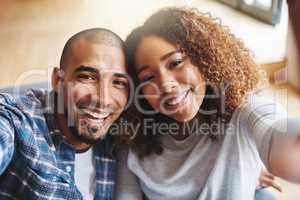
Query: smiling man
(56,145)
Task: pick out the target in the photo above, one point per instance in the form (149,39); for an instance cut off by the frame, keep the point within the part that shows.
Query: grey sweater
(199,168)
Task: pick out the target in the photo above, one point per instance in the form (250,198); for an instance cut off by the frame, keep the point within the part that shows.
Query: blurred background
(33,33)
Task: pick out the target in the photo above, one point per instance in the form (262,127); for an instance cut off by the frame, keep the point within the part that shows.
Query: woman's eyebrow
(143,67)
(169,54)
(120,75)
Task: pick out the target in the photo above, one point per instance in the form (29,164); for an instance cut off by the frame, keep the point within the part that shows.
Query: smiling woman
(162,67)
(179,51)
(198,80)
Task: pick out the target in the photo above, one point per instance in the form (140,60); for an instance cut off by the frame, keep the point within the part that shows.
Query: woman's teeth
(176,100)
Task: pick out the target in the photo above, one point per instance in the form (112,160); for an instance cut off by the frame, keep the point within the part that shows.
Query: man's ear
(57,78)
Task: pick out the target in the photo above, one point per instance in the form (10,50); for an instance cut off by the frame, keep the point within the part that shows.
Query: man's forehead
(101,69)
(100,56)
(83,47)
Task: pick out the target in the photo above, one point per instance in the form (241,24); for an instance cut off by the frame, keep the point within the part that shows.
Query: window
(267,10)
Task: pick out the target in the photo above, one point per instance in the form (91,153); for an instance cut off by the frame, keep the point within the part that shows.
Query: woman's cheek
(121,95)
(152,96)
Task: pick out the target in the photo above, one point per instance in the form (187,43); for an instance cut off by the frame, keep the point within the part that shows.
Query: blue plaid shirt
(36,162)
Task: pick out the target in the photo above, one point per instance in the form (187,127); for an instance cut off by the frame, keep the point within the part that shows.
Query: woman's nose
(169,87)
(168,82)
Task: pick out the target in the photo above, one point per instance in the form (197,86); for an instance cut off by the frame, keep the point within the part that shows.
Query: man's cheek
(72,95)
(79,92)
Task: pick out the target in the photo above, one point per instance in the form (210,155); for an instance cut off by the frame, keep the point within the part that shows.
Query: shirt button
(68,168)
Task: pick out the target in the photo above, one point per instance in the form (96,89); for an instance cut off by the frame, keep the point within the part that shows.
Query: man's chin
(86,137)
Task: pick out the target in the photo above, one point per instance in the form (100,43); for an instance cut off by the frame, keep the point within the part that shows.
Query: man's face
(95,88)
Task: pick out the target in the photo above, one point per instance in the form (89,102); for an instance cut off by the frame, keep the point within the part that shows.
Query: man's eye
(120,83)
(175,64)
(86,77)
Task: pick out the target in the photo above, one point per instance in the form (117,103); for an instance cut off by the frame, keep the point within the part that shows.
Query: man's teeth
(176,100)
(96,115)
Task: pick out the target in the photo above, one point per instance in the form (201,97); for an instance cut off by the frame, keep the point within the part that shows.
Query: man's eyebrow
(83,68)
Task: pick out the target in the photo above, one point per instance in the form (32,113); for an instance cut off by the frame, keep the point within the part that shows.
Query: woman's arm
(284,158)
(128,186)
(276,135)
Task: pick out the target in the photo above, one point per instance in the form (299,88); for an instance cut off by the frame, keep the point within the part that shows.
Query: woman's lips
(175,102)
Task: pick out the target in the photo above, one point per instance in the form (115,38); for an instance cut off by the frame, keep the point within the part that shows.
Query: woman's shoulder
(259,105)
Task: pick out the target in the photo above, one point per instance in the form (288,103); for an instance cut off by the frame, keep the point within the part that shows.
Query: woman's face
(170,82)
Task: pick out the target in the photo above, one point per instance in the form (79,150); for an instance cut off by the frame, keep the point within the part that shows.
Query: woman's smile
(176,101)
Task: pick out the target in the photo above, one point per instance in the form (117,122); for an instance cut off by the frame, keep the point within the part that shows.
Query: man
(55,145)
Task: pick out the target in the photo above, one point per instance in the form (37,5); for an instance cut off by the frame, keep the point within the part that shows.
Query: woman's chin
(181,117)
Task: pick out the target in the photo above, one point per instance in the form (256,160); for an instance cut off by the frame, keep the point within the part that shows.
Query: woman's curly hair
(222,58)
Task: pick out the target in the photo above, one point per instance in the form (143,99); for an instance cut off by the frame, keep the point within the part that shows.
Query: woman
(201,129)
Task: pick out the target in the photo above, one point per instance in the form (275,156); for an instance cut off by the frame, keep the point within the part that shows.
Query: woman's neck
(186,128)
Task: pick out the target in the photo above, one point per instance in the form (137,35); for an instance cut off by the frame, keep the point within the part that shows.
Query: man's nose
(104,94)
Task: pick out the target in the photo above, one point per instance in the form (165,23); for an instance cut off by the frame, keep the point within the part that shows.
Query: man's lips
(94,114)
(176,100)
(93,121)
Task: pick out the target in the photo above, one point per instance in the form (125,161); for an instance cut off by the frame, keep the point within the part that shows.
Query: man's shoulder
(23,109)
(106,147)
(32,99)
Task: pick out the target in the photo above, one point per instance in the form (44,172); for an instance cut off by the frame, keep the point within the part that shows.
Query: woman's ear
(57,78)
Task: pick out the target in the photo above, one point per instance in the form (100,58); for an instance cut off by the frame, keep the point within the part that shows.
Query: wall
(33,32)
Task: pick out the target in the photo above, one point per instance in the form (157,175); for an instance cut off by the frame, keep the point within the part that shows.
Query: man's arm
(6,143)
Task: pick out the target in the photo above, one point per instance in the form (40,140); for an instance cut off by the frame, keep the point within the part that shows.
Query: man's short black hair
(94,35)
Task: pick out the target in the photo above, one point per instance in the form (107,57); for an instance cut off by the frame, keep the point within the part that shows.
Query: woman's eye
(120,83)
(147,79)
(175,64)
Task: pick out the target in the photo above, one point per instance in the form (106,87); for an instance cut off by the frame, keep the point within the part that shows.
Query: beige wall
(33,32)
